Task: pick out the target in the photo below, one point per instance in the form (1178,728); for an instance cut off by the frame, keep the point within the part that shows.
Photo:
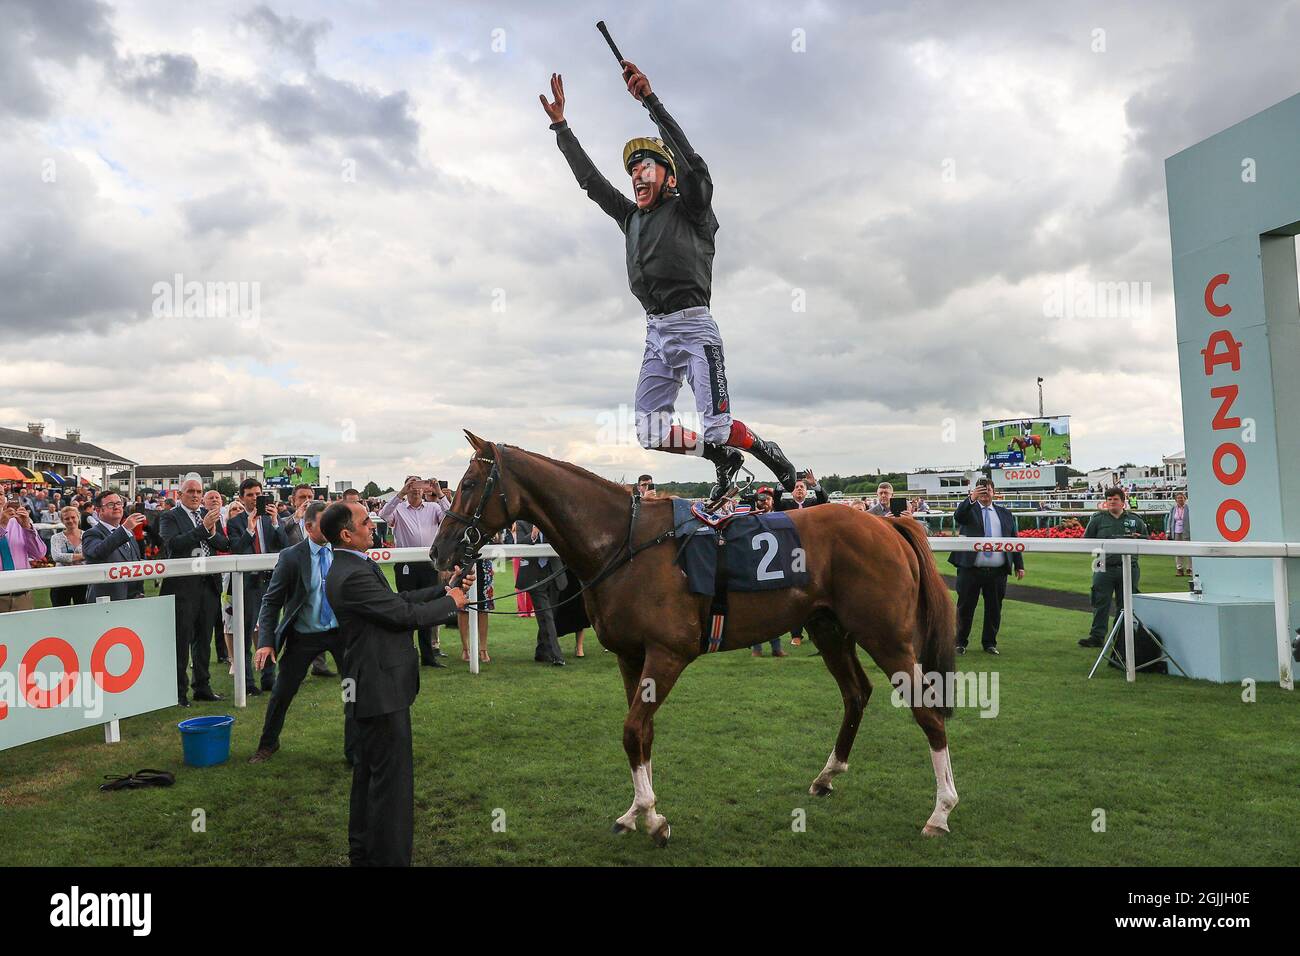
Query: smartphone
(262,501)
(442,485)
(897,506)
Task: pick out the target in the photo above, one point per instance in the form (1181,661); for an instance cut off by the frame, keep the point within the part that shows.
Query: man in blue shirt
(295,624)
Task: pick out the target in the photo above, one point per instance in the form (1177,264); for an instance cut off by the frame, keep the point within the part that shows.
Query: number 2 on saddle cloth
(749,552)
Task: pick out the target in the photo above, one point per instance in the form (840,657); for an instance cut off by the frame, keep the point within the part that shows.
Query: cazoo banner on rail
(64,669)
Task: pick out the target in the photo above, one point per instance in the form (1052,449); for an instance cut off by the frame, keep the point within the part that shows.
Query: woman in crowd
(524,600)
(483,573)
(1178,527)
(65,551)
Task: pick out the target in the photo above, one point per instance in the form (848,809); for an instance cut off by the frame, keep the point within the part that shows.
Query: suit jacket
(376,624)
(289,591)
(531,571)
(102,545)
(241,542)
(291,531)
(970,524)
(181,538)
(781,503)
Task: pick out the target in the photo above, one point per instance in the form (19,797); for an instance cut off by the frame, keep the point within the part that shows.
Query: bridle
(472,538)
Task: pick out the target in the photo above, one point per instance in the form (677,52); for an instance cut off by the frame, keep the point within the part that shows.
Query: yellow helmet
(653,146)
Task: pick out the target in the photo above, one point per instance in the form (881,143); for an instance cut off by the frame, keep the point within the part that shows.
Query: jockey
(669,232)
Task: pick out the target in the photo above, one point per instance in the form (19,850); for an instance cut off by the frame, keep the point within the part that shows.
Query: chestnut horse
(1030,441)
(872,583)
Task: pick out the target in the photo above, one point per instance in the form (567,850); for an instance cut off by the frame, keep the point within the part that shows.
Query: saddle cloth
(760,552)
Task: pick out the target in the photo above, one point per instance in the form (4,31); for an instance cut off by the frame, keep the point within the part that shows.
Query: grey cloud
(230,213)
(58,272)
(322,107)
(54,31)
(290,34)
(159,78)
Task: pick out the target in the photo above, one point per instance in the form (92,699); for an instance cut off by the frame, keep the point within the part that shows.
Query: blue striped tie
(326,612)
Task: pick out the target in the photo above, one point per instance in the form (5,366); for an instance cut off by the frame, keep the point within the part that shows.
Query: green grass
(1073,572)
(1186,773)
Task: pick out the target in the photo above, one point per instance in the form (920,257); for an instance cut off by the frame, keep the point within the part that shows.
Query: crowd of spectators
(55,527)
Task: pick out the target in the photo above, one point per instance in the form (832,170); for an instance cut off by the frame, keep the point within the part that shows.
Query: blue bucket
(206,740)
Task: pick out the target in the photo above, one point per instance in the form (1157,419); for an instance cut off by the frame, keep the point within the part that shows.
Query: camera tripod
(1108,648)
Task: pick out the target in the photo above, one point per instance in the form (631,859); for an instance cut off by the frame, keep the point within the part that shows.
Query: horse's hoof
(931,830)
(820,789)
(661,836)
(618,829)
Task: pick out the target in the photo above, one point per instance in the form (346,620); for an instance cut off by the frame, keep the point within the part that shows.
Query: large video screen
(285,471)
(1027,441)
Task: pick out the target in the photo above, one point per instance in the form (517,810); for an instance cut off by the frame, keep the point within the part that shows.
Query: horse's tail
(935,637)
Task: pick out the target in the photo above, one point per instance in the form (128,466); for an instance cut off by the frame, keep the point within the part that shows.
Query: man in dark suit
(293,528)
(983,572)
(111,540)
(296,625)
(799,497)
(532,573)
(381,676)
(256,537)
(187,531)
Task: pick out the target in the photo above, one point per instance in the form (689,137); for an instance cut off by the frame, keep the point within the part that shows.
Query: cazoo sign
(1030,476)
(64,669)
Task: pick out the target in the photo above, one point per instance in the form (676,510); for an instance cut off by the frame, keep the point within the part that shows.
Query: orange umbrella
(10,473)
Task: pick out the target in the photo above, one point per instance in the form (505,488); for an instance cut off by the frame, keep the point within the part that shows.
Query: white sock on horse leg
(945,789)
(645,797)
(834,767)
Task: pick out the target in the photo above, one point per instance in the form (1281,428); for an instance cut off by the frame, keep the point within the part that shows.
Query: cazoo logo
(999,546)
(148,570)
(1021,474)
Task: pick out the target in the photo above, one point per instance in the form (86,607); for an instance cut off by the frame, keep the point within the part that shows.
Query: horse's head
(479,510)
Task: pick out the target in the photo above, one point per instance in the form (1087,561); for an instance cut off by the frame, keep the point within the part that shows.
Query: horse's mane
(574,469)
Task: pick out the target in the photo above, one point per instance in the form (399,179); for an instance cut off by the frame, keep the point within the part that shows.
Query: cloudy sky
(904,190)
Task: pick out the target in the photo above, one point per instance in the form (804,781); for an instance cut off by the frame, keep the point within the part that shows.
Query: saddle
(718,519)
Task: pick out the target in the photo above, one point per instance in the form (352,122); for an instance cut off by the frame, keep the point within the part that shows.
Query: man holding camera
(111,540)
(253,527)
(191,532)
(884,495)
(415,524)
(1113,521)
(983,573)
(799,497)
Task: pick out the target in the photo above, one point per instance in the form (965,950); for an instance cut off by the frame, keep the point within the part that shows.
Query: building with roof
(55,460)
(169,477)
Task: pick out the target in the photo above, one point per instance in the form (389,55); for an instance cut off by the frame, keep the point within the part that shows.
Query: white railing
(1127,548)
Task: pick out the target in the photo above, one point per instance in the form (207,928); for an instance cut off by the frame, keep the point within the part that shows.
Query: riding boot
(770,454)
(727,461)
